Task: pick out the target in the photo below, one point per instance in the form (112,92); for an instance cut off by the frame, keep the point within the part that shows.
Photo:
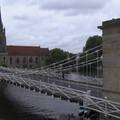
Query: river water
(22,104)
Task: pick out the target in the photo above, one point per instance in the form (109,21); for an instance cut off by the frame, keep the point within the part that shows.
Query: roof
(110,24)
(27,51)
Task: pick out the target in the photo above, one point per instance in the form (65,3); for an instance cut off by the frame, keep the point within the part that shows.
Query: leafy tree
(92,42)
(56,55)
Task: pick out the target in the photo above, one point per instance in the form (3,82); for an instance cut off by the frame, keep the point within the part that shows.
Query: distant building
(25,56)
(20,56)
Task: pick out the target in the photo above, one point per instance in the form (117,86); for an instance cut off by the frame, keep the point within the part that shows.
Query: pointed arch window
(17,60)
(10,60)
(36,60)
(24,60)
(30,60)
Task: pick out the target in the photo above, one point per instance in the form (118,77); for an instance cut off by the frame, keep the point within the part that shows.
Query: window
(30,59)
(4,60)
(24,60)
(17,60)
(36,60)
(10,60)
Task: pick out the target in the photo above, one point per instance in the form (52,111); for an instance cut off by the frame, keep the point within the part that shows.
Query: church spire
(1,24)
(2,36)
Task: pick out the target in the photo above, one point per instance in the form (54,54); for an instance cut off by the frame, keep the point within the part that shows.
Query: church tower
(2,37)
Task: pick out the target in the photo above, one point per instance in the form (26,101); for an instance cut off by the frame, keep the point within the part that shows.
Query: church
(20,56)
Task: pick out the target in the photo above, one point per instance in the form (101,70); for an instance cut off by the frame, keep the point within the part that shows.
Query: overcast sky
(62,24)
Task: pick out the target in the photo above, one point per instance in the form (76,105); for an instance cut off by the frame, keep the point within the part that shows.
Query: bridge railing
(101,105)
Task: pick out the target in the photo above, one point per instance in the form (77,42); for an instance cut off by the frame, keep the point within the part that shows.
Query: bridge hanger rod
(54,67)
(74,60)
(70,57)
(79,65)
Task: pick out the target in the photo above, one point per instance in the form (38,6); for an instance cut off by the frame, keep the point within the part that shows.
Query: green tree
(56,55)
(92,42)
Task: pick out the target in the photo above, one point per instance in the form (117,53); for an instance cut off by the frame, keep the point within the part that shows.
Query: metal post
(101,68)
(86,64)
(85,101)
(48,75)
(61,72)
(90,70)
(105,106)
(97,64)
(83,70)
(54,74)
(77,60)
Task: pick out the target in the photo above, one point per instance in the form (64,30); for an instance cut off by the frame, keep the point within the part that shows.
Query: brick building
(25,56)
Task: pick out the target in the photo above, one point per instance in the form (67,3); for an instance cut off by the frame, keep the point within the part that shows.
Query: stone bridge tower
(111,59)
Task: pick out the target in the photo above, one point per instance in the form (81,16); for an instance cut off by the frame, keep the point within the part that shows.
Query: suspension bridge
(51,80)
(96,89)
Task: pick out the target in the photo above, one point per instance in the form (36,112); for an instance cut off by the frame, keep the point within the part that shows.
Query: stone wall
(18,61)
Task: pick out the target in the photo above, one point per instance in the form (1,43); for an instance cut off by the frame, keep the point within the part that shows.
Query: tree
(92,42)
(56,55)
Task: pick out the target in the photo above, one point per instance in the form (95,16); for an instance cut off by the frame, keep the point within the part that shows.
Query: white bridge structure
(52,80)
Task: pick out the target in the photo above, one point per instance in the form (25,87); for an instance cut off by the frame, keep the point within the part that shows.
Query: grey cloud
(55,23)
(72,4)
(11,2)
(71,7)
(76,46)
(22,18)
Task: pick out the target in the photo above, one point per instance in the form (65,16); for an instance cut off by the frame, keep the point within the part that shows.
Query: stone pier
(111,59)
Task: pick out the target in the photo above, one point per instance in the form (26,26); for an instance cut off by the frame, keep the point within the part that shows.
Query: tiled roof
(27,51)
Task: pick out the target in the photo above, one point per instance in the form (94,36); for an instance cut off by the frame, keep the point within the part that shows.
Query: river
(22,104)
